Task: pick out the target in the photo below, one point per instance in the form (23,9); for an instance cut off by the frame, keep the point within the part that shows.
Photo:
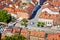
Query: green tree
(13,19)
(6,38)
(23,22)
(40,24)
(15,37)
(4,16)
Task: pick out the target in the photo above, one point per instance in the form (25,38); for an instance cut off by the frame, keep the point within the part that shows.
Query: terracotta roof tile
(52,5)
(34,1)
(53,36)
(38,34)
(21,10)
(54,17)
(33,33)
(11,10)
(24,32)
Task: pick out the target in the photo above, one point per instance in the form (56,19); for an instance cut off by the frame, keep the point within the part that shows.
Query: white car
(32,23)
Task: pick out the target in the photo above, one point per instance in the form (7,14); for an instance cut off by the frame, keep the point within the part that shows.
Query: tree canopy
(4,16)
(40,24)
(14,37)
(23,22)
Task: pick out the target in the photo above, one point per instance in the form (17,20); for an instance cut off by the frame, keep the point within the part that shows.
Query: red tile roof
(21,10)
(34,1)
(52,5)
(53,37)
(16,29)
(24,33)
(55,2)
(30,8)
(38,34)
(54,17)
(12,10)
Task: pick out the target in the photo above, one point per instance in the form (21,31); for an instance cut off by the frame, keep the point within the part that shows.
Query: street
(47,30)
(32,24)
(35,19)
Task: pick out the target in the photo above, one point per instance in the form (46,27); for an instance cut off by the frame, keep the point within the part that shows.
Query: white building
(49,11)
(47,22)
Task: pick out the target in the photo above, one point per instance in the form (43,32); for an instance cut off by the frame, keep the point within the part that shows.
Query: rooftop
(54,17)
(53,36)
(51,11)
(52,5)
(36,33)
